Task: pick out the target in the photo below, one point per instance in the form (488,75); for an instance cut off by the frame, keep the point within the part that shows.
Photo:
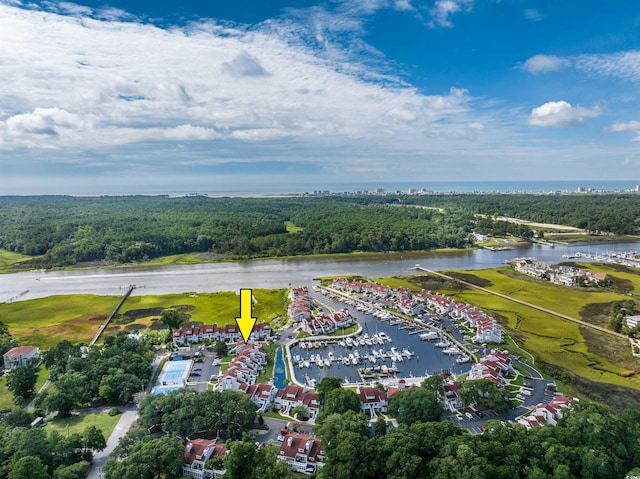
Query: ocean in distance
(267,188)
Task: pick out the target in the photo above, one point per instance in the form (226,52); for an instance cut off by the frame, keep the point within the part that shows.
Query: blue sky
(133,96)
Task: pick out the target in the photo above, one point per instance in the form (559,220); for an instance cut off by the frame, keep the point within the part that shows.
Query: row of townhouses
(229,333)
(487,329)
(244,368)
(413,304)
(564,275)
(547,413)
(303,452)
(301,311)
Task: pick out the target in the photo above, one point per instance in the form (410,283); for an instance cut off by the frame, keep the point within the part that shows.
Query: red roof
(305,444)
(20,351)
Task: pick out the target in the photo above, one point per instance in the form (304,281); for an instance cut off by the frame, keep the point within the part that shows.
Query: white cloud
(74,81)
(561,113)
(443,10)
(545,63)
(625,65)
(632,126)
(403,5)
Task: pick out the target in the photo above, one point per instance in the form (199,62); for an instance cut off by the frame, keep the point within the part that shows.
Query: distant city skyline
(133,97)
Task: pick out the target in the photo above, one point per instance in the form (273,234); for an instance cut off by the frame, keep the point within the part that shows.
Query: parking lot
(202,370)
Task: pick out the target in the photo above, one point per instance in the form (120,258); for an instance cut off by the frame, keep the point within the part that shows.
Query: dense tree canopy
(67,230)
(113,372)
(590,442)
(185,412)
(37,453)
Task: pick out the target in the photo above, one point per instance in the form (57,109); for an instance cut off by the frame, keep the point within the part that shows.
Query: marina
(385,349)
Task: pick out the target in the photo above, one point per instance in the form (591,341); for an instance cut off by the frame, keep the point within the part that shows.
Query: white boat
(451,351)
(330,356)
(463,359)
(429,336)
(327,362)
(346,361)
(406,353)
(349,342)
(307,364)
(442,344)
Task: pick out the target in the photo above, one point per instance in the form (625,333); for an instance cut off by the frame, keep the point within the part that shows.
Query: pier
(113,313)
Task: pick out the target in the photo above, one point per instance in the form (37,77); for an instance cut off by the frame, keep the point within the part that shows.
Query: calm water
(267,274)
(279,374)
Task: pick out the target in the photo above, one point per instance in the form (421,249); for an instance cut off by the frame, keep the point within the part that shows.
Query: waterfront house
(373,401)
(20,356)
(487,331)
(402,386)
(327,323)
(303,452)
(197,453)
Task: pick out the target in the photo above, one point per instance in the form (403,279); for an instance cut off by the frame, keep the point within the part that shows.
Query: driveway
(128,417)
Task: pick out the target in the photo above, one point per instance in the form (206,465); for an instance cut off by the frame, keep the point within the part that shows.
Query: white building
(20,356)
(633,321)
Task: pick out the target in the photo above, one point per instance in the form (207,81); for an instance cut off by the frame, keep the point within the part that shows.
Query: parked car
(469,415)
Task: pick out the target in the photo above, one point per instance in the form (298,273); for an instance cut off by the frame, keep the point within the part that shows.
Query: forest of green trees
(63,230)
(589,442)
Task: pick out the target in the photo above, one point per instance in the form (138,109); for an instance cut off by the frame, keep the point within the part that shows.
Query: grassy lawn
(519,381)
(77,424)
(44,322)
(9,258)
(267,373)
(6,398)
(291,228)
(341,332)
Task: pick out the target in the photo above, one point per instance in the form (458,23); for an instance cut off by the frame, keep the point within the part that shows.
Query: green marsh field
(44,322)
(599,365)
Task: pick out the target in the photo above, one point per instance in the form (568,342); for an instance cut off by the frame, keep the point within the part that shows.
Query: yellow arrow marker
(245,322)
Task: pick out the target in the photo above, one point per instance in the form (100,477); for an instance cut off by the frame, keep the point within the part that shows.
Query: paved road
(129,416)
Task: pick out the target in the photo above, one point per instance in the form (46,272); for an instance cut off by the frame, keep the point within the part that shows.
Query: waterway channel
(232,276)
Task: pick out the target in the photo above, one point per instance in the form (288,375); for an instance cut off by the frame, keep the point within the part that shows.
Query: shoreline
(194,259)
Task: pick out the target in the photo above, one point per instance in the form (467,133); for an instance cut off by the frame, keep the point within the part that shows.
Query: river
(280,273)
